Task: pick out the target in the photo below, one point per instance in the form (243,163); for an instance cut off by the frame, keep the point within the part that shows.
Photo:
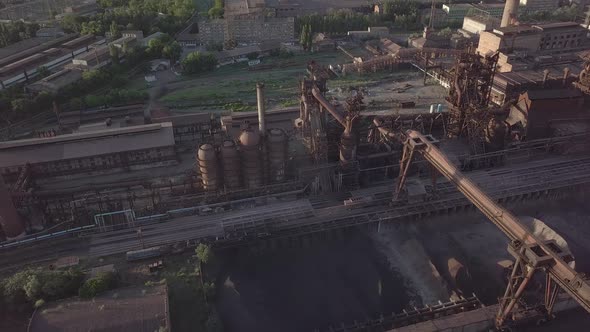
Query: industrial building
(54,83)
(19,62)
(79,153)
(516,43)
(95,58)
(512,135)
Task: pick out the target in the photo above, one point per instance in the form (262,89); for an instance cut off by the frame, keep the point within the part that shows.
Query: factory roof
(85,144)
(536,75)
(91,55)
(516,29)
(557,25)
(554,94)
(56,81)
(123,309)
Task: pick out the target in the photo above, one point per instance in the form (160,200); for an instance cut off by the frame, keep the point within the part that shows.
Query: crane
(531,253)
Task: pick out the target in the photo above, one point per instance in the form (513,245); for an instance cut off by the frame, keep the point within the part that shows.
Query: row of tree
(401,14)
(32,287)
(147,15)
(13,32)
(198,62)
(217,10)
(562,14)
(164,47)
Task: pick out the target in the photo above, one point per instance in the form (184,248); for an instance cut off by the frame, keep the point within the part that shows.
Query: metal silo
(251,158)
(208,166)
(10,221)
(231,165)
(277,154)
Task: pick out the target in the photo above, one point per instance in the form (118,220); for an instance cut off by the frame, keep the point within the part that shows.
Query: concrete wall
(564,40)
(488,42)
(524,42)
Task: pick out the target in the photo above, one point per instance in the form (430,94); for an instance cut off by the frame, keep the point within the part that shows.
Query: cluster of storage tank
(255,161)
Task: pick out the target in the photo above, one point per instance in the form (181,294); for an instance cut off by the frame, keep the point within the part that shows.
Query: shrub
(39,303)
(94,286)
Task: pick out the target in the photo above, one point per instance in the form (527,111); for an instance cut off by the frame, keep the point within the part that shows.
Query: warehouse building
(93,151)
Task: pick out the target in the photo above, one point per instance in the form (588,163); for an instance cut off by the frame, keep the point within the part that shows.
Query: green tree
(204,253)
(215,12)
(21,105)
(114,29)
(72,23)
(197,62)
(43,71)
(172,51)
(155,47)
(252,56)
(32,288)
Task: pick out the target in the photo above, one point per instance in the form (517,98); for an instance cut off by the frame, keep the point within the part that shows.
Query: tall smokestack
(261,109)
(510,13)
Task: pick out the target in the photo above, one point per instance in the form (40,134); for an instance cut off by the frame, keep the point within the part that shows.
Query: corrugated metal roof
(86,144)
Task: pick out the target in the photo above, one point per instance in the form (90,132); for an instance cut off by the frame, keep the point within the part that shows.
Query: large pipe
(261,109)
(510,13)
(326,104)
(386,132)
(10,221)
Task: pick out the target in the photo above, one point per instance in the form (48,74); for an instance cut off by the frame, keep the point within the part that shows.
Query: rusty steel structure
(405,56)
(531,253)
(469,96)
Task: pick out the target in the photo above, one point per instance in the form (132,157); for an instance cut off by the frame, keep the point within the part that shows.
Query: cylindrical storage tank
(432,108)
(510,13)
(208,166)
(277,154)
(10,221)
(251,158)
(231,165)
(347,147)
(439,108)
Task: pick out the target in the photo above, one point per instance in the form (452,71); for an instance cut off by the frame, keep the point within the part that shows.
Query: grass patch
(235,84)
(290,102)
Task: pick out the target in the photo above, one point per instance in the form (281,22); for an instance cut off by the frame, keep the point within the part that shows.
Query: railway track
(300,217)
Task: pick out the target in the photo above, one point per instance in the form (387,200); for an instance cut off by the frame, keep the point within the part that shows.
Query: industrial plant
(360,206)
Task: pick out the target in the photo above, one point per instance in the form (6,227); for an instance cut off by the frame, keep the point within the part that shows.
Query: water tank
(439,108)
(277,155)
(208,167)
(231,165)
(10,221)
(251,159)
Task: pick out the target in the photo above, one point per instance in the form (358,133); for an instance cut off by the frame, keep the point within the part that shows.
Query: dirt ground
(302,289)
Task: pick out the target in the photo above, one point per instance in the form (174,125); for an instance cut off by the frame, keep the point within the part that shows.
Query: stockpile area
(309,285)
